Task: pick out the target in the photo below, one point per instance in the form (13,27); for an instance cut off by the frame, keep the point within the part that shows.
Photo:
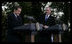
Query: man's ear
(14,10)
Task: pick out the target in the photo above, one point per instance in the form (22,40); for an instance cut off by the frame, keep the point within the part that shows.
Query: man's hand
(45,26)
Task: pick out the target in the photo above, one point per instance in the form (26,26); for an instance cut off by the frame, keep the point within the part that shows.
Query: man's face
(48,11)
(18,11)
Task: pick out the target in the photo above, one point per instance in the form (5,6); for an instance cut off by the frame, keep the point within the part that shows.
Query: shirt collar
(15,15)
(47,15)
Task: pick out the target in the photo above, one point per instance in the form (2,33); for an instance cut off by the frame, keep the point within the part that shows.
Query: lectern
(32,27)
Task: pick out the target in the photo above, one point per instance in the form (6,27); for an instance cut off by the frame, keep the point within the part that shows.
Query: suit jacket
(50,21)
(13,21)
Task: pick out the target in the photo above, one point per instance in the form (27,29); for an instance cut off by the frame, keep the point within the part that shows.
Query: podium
(31,27)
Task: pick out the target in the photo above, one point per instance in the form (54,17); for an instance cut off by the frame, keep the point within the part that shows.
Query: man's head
(17,10)
(48,10)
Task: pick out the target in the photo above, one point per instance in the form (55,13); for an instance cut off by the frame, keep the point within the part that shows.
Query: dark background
(34,9)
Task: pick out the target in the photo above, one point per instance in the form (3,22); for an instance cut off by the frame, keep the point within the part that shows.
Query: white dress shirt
(15,15)
(47,16)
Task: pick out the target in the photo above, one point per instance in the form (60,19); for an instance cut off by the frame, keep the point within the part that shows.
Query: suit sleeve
(52,22)
(12,22)
(40,19)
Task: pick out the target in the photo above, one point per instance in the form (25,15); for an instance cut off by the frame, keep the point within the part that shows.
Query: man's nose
(19,13)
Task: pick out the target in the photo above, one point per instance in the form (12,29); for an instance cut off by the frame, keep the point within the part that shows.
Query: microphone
(30,18)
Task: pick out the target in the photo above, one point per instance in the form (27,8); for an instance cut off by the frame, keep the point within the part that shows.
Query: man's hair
(16,7)
(48,7)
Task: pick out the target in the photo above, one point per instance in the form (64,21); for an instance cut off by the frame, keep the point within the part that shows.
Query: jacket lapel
(15,17)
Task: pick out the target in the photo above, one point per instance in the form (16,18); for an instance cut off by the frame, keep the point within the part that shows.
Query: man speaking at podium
(47,20)
(14,20)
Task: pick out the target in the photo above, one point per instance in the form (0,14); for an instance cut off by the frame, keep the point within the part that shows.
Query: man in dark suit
(47,20)
(14,20)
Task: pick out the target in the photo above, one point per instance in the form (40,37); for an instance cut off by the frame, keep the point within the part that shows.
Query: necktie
(46,19)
